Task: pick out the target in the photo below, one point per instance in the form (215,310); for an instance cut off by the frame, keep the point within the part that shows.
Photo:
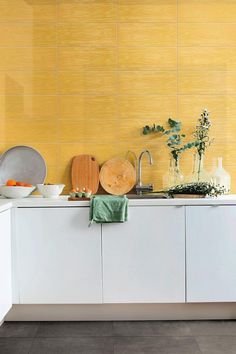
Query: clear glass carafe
(174,176)
(199,174)
(220,176)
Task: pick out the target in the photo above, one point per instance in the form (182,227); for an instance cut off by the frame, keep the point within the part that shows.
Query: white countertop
(5,204)
(38,201)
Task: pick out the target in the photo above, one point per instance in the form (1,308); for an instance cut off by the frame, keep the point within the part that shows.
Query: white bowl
(50,190)
(15,192)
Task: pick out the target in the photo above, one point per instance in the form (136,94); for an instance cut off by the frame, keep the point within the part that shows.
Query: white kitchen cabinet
(144,258)
(59,256)
(5,263)
(211,253)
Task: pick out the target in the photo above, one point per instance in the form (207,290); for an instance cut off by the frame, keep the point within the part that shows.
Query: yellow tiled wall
(83,76)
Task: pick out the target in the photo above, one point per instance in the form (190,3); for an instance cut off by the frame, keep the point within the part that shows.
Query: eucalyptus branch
(175,138)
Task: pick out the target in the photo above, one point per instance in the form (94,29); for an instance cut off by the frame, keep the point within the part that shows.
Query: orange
(11,182)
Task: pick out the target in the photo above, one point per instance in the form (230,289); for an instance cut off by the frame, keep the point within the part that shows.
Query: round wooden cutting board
(117,176)
(85,173)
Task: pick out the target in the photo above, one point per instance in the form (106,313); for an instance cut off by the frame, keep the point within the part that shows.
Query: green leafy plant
(203,140)
(199,188)
(175,137)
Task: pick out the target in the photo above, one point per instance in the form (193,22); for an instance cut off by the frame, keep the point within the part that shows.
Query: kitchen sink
(146,196)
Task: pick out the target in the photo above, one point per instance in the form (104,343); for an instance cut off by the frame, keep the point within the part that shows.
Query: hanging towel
(108,208)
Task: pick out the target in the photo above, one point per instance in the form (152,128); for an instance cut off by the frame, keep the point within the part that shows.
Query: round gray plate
(24,164)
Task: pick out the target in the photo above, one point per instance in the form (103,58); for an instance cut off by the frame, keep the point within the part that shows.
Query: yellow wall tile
(207,11)
(22,34)
(86,76)
(222,109)
(207,58)
(101,151)
(151,82)
(147,11)
(30,107)
(92,82)
(30,131)
(150,34)
(86,107)
(209,34)
(98,11)
(139,58)
(87,34)
(26,58)
(87,58)
(209,82)
(28,10)
(26,82)
(88,130)
(146,108)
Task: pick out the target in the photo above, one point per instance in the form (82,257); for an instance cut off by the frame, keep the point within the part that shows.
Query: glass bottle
(173,177)
(221,176)
(199,173)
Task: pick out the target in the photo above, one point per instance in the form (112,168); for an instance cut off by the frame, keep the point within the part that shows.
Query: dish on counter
(16,192)
(50,190)
(22,163)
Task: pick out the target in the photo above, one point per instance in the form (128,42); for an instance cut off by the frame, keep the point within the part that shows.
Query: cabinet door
(211,253)
(5,263)
(59,256)
(144,258)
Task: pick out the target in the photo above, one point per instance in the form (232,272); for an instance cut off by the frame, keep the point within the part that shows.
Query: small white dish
(16,192)
(50,190)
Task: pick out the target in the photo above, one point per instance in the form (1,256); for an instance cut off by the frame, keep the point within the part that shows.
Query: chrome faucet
(139,186)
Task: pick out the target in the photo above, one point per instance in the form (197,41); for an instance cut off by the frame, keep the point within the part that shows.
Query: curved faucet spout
(140,187)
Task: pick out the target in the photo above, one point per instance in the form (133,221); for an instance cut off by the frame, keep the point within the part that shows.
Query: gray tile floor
(125,337)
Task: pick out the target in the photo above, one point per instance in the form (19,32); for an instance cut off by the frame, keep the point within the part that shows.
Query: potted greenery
(175,143)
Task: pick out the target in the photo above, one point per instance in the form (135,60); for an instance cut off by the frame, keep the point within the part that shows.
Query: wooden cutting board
(85,173)
(117,176)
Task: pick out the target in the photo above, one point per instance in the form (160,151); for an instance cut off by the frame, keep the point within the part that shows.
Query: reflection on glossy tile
(207,11)
(211,34)
(151,82)
(101,11)
(33,10)
(217,82)
(15,34)
(27,58)
(82,82)
(87,58)
(30,107)
(26,82)
(148,11)
(207,58)
(87,34)
(148,34)
(86,107)
(139,58)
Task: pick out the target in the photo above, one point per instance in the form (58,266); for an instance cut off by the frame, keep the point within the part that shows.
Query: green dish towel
(108,208)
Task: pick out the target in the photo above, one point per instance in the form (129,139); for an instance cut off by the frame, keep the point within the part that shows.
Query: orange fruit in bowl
(11,182)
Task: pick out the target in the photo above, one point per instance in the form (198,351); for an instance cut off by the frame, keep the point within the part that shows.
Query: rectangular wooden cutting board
(85,173)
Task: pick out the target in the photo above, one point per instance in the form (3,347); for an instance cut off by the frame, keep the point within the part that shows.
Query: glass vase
(199,174)
(173,177)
